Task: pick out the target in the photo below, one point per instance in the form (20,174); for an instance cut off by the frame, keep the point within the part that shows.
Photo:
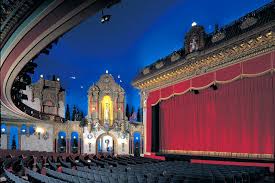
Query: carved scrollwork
(146,71)
(159,65)
(218,36)
(248,22)
(175,56)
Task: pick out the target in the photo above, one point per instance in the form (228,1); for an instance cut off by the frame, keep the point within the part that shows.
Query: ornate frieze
(248,22)
(208,62)
(146,71)
(175,56)
(218,37)
(159,65)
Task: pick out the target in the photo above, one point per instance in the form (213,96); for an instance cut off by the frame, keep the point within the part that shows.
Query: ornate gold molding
(221,58)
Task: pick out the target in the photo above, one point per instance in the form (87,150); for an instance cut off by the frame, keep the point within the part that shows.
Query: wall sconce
(23,131)
(93,108)
(3,130)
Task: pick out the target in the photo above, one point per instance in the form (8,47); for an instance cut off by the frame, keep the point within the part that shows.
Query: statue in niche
(193,44)
(107,112)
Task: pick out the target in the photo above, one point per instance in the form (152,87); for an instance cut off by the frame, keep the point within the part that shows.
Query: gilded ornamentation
(218,36)
(159,65)
(207,63)
(146,71)
(248,22)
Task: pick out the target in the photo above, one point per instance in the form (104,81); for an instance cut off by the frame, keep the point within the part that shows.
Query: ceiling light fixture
(105,18)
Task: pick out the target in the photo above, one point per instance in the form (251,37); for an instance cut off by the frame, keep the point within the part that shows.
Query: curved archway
(13,141)
(3,129)
(31,129)
(137,143)
(23,129)
(106,144)
(61,143)
(74,142)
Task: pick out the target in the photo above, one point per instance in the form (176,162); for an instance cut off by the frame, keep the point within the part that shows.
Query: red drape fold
(225,78)
(238,117)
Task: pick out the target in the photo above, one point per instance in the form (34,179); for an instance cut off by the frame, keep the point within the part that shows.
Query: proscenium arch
(114,139)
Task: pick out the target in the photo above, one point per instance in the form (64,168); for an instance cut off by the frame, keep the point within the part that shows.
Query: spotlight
(214,86)
(105,18)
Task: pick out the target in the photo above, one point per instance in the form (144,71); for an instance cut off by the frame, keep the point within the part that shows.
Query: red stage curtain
(238,117)
(152,99)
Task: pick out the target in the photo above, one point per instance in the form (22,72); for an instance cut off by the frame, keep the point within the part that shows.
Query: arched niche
(107,110)
(74,142)
(61,142)
(4,129)
(13,140)
(23,129)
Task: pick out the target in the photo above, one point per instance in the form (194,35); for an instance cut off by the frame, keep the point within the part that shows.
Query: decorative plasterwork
(194,39)
(68,127)
(175,56)
(159,65)
(207,63)
(248,22)
(136,128)
(146,71)
(217,37)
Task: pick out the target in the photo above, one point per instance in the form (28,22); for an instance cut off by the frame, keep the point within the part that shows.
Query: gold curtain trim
(213,82)
(221,154)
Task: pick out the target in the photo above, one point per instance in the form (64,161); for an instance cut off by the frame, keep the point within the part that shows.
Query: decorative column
(8,136)
(133,145)
(68,145)
(19,136)
(115,107)
(144,119)
(55,145)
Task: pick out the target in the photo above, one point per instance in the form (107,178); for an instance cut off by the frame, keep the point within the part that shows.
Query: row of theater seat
(54,168)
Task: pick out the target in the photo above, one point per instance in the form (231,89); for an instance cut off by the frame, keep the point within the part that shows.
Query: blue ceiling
(139,33)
